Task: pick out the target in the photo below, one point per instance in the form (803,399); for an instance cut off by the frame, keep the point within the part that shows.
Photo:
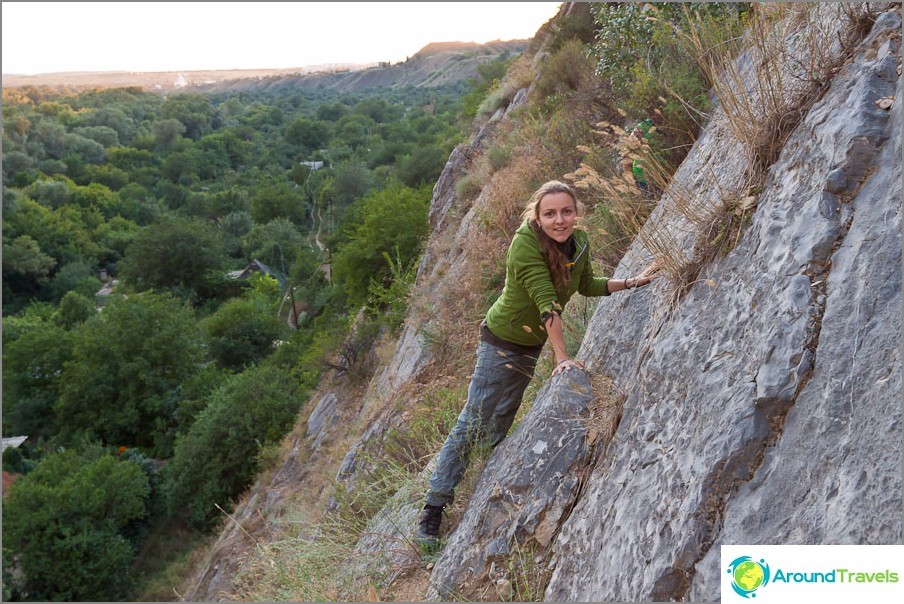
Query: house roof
(253,267)
(13,441)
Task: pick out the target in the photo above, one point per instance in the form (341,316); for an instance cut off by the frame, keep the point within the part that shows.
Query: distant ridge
(436,64)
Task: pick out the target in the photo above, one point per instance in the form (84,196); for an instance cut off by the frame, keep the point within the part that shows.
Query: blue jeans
(494,396)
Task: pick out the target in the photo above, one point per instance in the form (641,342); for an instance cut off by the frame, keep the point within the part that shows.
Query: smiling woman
(243,35)
(547,263)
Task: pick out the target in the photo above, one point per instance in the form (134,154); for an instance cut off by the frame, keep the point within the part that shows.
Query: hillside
(436,64)
(752,395)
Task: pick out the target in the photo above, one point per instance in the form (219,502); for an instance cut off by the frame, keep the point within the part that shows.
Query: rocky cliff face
(761,406)
(764,407)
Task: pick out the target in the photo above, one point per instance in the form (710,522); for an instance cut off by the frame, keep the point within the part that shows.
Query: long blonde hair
(556,260)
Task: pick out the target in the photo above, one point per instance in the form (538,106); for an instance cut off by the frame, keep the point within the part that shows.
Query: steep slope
(762,408)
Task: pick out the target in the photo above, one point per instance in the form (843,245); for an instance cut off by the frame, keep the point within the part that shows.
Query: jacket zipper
(580,253)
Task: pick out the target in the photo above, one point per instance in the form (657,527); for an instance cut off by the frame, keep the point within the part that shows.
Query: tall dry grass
(767,80)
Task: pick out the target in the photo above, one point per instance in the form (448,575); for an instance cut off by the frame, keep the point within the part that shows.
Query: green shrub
(565,71)
(467,186)
(123,382)
(65,525)
(498,157)
(576,26)
(488,76)
(309,350)
(242,332)
(389,305)
(498,97)
(219,456)
(643,52)
(393,221)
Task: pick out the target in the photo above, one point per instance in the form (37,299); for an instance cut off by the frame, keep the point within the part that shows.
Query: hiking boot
(428,524)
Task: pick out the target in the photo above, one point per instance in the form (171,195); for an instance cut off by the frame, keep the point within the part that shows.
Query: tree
(15,163)
(115,235)
(167,132)
(88,150)
(74,310)
(65,234)
(308,134)
(107,175)
(173,253)
(138,205)
(75,276)
(32,365)
(424,166)
(331,112)
(354,130)
(279,200)
(251,410)
(377,109)
(242,332)
(393,222)
(23,256)
(123,383)
(64,526)
(106,136)
(115,118)
(352,180)
(276,244)
(235,226)
(193,111)
(51,194)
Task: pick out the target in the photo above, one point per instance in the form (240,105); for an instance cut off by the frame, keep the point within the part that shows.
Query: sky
(50,37)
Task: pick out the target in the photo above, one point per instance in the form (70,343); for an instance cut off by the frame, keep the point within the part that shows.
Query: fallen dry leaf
(747,203)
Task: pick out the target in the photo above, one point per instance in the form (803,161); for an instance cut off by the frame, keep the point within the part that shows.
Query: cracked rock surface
(763,407)
(526,489)
(769,407)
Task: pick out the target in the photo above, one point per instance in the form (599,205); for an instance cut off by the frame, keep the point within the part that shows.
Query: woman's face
(557,216)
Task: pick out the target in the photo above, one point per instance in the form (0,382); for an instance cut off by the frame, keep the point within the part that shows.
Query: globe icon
(748,575)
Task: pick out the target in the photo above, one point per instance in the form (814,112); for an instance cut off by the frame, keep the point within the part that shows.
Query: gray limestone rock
(762,405)
(527,488)
(768,406)
(321,419)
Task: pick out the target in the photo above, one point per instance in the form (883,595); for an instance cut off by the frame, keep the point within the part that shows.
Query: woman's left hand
(566,365)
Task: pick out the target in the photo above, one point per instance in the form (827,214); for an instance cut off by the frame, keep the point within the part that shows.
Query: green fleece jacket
(529,290)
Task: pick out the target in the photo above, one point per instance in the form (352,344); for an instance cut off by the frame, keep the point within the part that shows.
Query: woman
(548,261)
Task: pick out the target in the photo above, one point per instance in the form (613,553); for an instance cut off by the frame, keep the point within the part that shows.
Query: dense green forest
(149,374)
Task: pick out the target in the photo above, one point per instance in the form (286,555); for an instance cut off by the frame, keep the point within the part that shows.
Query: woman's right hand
(566,365)
(646,276)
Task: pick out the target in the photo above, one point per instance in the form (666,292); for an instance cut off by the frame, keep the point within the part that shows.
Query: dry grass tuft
(518,76)
(792,53)
(605,411)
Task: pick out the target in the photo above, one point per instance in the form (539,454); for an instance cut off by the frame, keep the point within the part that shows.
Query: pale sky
(48,37)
